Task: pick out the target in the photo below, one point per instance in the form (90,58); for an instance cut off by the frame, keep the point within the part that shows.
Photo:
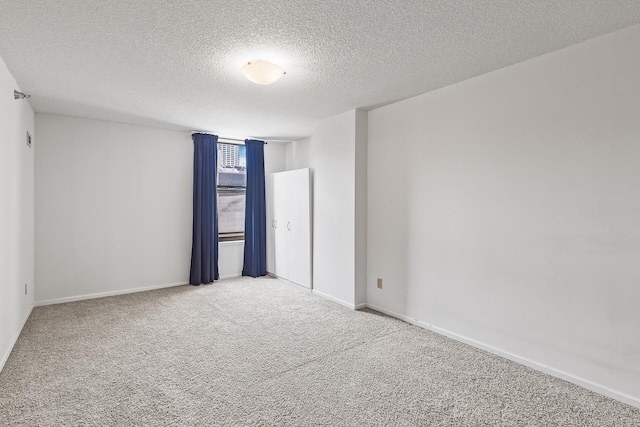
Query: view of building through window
(232,183)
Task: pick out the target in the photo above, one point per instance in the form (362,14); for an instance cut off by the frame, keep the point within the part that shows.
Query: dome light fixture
(262,72)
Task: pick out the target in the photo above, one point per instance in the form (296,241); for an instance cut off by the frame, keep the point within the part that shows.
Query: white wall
(16,213)
(505,209)
(331,154)
(360,219)
(275,157)
(297,154)
(230,259)
(114,208)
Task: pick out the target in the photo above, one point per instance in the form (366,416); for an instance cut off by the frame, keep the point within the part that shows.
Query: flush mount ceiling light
(262,72)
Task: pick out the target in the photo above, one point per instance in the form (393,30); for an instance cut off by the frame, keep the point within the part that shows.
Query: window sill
(232,243)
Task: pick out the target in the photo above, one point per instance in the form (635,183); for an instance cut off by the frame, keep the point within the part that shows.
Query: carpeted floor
(263,352)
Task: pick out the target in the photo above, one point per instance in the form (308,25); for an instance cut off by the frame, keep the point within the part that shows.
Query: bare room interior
(402,213)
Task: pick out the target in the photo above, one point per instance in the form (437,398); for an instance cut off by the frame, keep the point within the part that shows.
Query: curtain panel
(204,249)
(255,219)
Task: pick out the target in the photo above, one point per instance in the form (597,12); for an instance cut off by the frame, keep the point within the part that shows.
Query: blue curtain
(255,218)
(204,249)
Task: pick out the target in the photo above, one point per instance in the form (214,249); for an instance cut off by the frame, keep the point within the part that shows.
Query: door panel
(271,244)
(298,227)
(280,230)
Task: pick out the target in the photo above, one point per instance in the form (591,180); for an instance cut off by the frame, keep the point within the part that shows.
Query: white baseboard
(6,355)
(361,306)
(106,294)
(336,300)
(589,385)
(230,276)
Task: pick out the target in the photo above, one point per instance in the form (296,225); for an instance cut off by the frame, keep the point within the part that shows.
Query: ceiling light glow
(262,72)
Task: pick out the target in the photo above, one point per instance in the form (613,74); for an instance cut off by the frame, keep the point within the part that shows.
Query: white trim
(336,300)
(5,357)
(106,294)
(582,382)
(230,276)
(232,243)
(361,306)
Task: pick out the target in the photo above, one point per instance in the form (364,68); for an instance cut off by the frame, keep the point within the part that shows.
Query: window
(232,185)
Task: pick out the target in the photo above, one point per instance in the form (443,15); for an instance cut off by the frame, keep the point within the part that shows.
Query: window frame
(233,236)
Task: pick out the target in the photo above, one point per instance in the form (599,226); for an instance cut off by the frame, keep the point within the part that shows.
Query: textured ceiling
(176,63)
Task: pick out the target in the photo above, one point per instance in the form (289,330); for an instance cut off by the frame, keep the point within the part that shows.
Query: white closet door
(298,226)
(280,226)
(271,245)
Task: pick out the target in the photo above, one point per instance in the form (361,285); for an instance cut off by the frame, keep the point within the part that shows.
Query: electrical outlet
(25,288)
(379,283)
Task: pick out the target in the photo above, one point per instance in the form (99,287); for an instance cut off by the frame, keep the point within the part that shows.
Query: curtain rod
(227,140)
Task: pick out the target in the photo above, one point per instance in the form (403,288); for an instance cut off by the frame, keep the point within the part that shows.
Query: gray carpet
(263,352)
